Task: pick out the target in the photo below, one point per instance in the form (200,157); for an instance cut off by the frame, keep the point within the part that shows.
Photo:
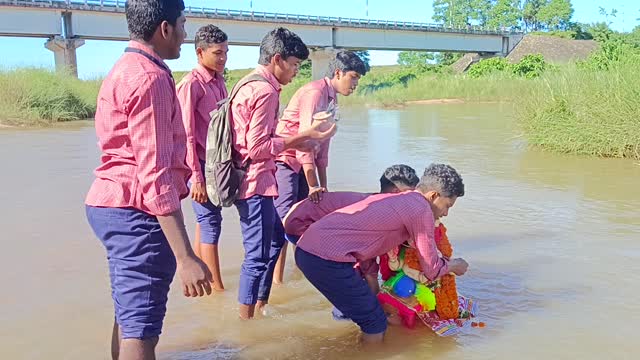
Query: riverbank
(33,97)
(587,109)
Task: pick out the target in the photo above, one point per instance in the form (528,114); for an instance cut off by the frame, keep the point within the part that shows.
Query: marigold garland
(446,293)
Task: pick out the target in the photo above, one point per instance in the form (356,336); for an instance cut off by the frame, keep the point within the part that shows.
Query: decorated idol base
(410,311)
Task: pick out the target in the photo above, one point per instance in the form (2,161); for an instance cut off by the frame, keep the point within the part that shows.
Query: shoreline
(436,101)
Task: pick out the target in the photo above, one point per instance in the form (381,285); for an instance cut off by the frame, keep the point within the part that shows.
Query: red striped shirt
(199,93)
(374,226)
(254,116)
(308,100)
(141,137)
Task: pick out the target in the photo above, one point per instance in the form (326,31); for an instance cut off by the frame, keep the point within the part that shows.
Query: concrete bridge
(68,23)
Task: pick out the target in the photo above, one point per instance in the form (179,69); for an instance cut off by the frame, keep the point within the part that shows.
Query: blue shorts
(292,238)
(292,187)
(209,217)
(141,267)
(345,289)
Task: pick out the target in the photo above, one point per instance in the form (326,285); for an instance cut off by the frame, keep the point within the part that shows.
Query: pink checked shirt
(141,137)
(375,225)
(199,93)
(308,100)
(254,116)
(306,212)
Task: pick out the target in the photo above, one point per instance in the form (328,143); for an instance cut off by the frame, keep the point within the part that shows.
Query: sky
(95,58)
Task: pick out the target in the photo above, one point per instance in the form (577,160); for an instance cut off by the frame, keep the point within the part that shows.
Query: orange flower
(411,258)
(446,293)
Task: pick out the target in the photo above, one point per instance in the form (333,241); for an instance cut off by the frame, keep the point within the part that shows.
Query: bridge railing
(118,5)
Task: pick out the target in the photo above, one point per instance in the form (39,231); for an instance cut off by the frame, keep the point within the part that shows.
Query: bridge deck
(239,15)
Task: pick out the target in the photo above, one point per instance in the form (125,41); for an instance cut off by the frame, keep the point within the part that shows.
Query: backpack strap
(244,81)
(234,91)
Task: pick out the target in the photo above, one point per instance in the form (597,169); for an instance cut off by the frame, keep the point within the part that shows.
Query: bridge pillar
(64,51)
(320,60)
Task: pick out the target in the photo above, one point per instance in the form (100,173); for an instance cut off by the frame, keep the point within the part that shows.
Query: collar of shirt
(140,46)
(206,74)
(332,91)
(262,71)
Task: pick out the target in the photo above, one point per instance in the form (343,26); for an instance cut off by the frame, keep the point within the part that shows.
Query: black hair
(348,61)
(443,179)
(284,42)
(396,176)
(208,35)
(144,16)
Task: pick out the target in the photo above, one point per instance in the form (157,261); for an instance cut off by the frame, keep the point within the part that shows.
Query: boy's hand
(315,194)
(199,193)
(458,266)
(308,146)
(315,133)
(195,276)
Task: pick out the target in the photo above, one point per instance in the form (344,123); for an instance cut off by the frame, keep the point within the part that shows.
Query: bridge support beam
(64,51)
(320,60)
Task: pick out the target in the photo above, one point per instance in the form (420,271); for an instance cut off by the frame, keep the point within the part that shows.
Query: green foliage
(581,111)
(530,11)
(447,58)
(504,13)
(38,96)
(415,58)
(611,55)
(487,66)
(530,66)
(556,14)
(401,77)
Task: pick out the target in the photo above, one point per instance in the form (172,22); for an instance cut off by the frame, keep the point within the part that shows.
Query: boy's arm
(322,174)
(189,94)
(307,106)
(322,162)
(421,230)
(151,135)
(260,143)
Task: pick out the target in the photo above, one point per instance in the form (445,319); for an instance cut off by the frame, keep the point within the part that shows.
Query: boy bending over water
(329,248)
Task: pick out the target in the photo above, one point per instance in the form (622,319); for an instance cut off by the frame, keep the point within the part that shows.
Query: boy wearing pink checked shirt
(304,173)
(254,114)
(199,93)
(133,205)
(360,232)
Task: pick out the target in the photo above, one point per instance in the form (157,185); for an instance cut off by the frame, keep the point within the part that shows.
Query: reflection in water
(549,239)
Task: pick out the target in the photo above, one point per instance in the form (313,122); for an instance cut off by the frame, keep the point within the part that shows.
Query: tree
(504,13)
(607,15)
(453,13)
(556,14)
(447,58)
(415,58)
(530,11)
(462,13)
(481,11)
(600,31)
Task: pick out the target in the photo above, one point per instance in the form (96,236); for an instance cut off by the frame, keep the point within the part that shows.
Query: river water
(552,243)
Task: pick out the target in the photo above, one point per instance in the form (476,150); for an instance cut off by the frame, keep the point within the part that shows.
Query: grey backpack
(222,176)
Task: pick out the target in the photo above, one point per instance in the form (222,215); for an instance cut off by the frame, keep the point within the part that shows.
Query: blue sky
(96,57)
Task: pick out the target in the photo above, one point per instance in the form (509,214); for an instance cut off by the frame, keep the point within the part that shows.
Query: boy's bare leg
(196,241)
(115,341)
(278,272)
(209,254)
(372,281)
(246,312)
(372,338)
(136,349)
